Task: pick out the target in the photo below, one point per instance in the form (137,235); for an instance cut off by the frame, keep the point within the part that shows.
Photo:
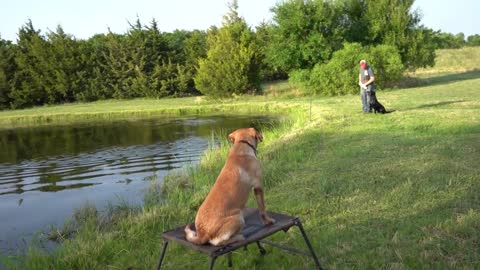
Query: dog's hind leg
(237,237)
(193,236)
(230,232)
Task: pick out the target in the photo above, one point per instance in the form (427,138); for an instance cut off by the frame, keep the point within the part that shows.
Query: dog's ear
(232,136)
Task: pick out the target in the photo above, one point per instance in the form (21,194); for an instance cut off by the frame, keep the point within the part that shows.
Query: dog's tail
(193,237)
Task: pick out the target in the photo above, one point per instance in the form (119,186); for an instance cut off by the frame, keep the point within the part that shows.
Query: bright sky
(85,18)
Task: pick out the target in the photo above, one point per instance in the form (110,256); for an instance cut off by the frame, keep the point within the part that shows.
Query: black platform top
(253,231)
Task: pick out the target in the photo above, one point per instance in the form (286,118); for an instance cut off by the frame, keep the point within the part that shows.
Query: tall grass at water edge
(113,110)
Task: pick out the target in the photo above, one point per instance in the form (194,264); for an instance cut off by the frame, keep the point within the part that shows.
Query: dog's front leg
(261,206)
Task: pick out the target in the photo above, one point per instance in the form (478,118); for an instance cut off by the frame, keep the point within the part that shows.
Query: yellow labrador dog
(219,219)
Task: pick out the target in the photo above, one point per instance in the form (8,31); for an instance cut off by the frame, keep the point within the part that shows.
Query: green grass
(454,60)
(394,191)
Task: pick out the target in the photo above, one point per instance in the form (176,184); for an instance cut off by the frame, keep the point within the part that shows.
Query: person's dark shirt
(366,74)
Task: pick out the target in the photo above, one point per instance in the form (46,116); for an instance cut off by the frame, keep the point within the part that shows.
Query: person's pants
(364,94)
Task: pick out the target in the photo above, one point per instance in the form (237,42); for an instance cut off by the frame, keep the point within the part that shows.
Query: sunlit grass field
(454,60)
(393,191)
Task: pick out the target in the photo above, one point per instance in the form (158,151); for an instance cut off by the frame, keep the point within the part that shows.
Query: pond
(48,172)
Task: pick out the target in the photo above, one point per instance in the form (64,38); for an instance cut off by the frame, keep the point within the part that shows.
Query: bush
(300,79)
(387,65)
(340,75)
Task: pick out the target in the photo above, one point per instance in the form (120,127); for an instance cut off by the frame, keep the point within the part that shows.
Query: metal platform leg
(261,249)
(314,256)
(164,248)
(212,262)
(229,260)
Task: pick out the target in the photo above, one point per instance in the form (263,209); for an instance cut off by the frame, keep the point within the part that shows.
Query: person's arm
(363,86)
(372,78)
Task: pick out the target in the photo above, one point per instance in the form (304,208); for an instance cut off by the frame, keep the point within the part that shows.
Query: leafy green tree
(473,40)
(460,39)
(444,40)
(264,39)
(305,32)
(421,50)
(353,20)
(231,66)
(392,22)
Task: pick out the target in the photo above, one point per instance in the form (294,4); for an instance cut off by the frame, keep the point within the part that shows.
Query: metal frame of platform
(254,232)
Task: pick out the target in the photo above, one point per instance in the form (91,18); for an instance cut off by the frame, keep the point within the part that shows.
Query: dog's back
(219,219)
(375,104)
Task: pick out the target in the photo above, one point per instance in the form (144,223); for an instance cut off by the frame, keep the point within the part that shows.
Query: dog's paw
(268,220)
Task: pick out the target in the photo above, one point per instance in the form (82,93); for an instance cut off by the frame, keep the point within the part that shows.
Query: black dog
(375,104)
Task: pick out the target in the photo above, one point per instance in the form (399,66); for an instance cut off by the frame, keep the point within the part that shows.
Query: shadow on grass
(439,104)
(451,78)
(438,79)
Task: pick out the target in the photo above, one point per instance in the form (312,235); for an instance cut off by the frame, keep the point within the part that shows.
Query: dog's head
(250,135)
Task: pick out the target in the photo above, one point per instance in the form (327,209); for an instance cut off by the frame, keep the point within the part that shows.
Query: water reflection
(27,144)
(47,172)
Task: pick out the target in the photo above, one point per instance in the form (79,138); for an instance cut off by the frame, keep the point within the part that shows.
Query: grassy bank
(138,108)
(394,191)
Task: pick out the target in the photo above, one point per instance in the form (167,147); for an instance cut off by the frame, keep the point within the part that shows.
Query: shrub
(340,75)
(387,65)
(300,78)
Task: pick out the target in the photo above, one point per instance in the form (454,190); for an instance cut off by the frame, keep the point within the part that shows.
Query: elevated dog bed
(254,232)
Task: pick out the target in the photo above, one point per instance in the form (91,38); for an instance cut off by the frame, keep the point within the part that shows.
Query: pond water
(48,172)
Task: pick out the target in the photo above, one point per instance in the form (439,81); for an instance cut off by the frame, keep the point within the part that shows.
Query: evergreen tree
(65,64)
(6,72)
(120,70)
(231,66)
(136,58)
(195,47)
(29,82)
(95,71)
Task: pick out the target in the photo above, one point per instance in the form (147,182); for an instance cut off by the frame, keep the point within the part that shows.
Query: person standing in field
(366,80)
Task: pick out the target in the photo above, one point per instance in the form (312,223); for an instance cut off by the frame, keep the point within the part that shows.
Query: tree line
(314,43)
(444,40)
(57,68)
